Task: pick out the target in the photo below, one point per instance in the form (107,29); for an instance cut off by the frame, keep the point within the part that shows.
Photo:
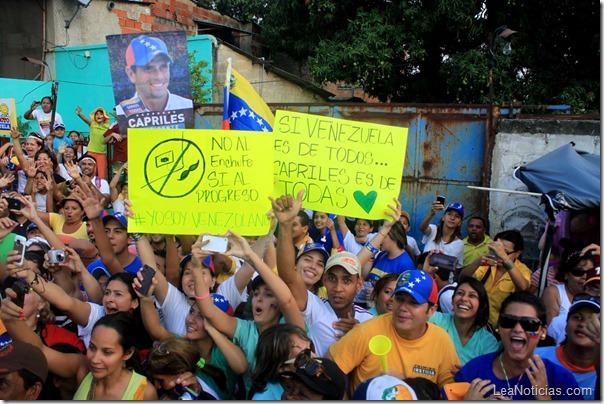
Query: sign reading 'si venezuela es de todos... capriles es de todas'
(187,181)
(346,167)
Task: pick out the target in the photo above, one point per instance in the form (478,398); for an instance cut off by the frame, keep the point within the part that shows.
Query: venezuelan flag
(244,109)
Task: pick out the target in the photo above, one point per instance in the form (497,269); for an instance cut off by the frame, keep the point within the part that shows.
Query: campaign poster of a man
(151,80)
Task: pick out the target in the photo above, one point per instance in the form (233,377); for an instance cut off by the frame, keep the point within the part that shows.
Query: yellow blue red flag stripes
(244,109)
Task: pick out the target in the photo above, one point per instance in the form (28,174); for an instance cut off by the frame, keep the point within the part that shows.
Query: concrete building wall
(271,87)
(519,142)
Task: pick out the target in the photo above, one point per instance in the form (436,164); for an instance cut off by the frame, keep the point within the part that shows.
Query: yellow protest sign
(186,181)
(8,115)
(347,167)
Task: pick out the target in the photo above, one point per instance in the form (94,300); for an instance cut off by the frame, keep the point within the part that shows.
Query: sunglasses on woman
(529,324)
(578,272)
(311,366)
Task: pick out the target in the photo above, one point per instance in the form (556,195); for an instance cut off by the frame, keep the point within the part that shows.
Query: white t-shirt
(175,308)
(319,316)
(40,202)
(103,186)
(43,119)
(413,244)
(454,248)
(96,312)
(228,289)
(351,245)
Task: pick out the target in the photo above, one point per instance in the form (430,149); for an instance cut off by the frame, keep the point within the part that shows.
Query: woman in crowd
(516,372)
(39,191)
(110,370)
(445,237)
(276,347)
(271,298)
(324,231)
(557,299)
(222,360)
(43,116)
(175,368)
(39,318)
(119,297)
(363,232)
(382,294)
(67,224)
(67,154)
(466,325)
(25,156)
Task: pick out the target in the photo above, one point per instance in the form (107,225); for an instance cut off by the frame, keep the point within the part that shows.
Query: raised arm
(75,309)
(218,318)
(232,353)
(285,300)
(149,313)
(15,134)
(115,180)
(520,281)
(83,117)
(28,209)
(435,207)
(28,113)
(372,247)
(286,208)
(341,220)
(65,365)
(93,209)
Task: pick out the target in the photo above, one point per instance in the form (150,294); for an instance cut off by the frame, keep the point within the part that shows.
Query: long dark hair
(272,350)
(569,263)
(123,324)
(482,315)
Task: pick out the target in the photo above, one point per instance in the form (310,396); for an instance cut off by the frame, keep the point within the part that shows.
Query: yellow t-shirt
(471,252)
(431,356)
(498,291)
(56,224)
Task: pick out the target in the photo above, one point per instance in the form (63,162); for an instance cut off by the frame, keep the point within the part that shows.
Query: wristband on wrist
(136,236)
(204,297)
(373,250)
(35,281)
(508,265)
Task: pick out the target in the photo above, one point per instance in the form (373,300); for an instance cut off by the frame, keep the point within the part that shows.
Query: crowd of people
(90,311)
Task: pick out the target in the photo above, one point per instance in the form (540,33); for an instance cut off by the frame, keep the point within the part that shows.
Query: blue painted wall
(84,81)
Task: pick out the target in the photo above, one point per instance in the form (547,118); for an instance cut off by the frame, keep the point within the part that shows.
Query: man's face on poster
(152,79)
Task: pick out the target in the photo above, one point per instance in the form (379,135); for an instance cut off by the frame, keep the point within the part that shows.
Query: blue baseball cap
(32,226)
(419,284)
(308,247)
(457,207)
(143,49)
(117,216)
(58,125)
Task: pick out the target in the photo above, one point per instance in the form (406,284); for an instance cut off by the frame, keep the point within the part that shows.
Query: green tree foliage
(438,50)
(200,89)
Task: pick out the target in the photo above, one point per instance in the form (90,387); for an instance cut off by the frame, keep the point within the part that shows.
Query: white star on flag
(234,115)
(242,111)
(259,120)
(251,114)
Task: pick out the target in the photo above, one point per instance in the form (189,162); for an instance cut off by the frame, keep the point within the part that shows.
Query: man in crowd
(477,242)
(418,348)
(23,371)
(500,270)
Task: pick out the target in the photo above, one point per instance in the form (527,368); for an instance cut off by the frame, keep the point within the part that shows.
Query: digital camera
(56,257)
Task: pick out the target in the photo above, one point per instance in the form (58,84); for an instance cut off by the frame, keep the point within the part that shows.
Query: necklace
(503,370)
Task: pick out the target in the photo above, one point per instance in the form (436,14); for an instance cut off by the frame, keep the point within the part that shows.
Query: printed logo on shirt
(422,370)
(133,106)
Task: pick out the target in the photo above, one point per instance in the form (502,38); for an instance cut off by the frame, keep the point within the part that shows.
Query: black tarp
(569,179)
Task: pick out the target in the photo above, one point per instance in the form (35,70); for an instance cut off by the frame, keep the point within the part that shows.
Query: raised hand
(394,211)
(238,246)
(14,132)
(128,212)
(28,207)
(197,251)
(6,179)
(78,110)
(6,226)
(30,170)
(92,206)
(286,208)
(72,169)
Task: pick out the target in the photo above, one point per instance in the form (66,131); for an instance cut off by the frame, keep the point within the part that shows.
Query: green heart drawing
(365,201)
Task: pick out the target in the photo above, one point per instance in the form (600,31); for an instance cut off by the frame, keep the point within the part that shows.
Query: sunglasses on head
(530,324)
(311,366)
